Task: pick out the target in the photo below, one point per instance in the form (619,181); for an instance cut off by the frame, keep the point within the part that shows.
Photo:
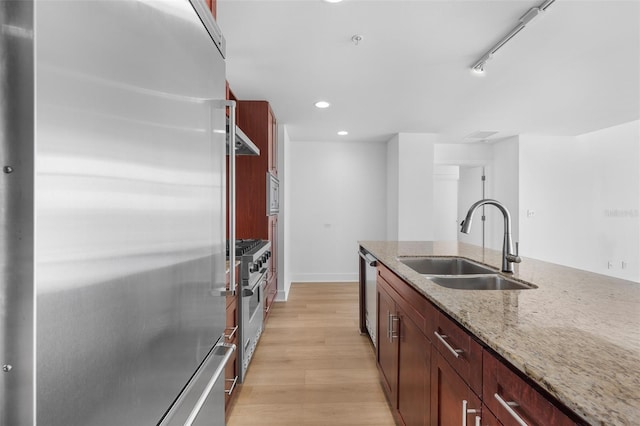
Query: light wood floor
(312,366)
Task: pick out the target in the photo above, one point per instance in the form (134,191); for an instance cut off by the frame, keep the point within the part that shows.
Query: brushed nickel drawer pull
(394,333)
(230,335)
(441,337)
(507,406)
(233,381)
(466,411)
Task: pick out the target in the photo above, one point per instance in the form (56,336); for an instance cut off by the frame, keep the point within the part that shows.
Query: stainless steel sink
(462,274)
(445,266)
(480,282)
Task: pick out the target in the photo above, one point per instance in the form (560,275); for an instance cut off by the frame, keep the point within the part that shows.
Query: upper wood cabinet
(273,143)
(257,121)
(211,4)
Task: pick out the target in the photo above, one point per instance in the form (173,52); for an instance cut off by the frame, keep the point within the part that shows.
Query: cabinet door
(488,419)
(387,348)
(502,387)
(273,143)
(414,362)
(231,336)
(273,237)
(230,380)
(270,295)
(450,396)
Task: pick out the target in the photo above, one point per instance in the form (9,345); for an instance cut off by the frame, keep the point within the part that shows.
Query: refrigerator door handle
(232,195)
(214,378)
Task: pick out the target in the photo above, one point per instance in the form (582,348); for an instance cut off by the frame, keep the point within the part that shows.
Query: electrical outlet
(609,265)
(623,264)
(531,213)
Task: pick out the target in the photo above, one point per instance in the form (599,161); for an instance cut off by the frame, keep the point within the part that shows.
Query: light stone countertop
(577,335)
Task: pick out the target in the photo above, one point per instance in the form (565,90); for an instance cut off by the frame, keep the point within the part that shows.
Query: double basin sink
(462,274)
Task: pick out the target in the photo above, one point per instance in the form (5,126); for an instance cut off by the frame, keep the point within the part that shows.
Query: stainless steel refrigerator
(112,302)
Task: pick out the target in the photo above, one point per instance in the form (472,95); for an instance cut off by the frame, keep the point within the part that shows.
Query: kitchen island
(576,336)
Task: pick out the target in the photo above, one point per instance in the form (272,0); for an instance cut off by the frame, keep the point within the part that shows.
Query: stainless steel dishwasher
(367,297)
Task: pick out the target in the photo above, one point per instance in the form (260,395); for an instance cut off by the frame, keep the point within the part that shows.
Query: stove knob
(254,267)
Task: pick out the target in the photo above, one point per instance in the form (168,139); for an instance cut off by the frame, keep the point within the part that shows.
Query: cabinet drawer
(270,292)
(230,380)
(460,350)
(415,305)
(504,387)
(231,329)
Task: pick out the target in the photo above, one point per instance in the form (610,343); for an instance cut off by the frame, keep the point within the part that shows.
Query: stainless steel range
(255,257)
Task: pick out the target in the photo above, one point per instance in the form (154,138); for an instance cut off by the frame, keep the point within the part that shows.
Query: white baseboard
(282,296)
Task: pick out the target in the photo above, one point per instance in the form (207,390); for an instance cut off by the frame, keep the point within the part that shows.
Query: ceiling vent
(482,134)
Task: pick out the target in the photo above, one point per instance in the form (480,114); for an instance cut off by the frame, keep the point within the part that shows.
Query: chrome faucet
(508,257)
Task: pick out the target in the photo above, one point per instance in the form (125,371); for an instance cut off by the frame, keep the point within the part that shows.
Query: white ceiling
(574,69)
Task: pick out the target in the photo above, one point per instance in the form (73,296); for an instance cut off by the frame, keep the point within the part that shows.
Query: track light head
(479,69)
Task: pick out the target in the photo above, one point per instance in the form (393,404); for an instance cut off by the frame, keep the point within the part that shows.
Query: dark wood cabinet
(460,350)
(272,143)
(231,336)
(403,354)
(414,378)
(271,290)
(488,419)
(434,371)
(451,397)
(504,387)
(211,4)
(387,349)
(257,121)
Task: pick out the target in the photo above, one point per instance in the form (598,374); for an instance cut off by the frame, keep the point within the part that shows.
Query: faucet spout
(508,256)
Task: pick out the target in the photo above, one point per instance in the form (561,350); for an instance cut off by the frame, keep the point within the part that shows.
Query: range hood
(243,144)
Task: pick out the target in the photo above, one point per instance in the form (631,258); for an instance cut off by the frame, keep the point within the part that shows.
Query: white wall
(470,191)
(415,168)
(445,196)
(463,154)
(503,185)
(584,193)
(337,196)
(284,224)
(392,188)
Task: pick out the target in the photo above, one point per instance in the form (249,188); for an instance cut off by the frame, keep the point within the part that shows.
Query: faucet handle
(515,258)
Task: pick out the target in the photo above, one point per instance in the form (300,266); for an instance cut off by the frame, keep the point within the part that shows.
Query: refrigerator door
(16,213)
(198,404)
(129,206)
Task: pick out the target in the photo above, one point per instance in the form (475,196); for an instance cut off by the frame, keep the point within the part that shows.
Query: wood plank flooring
(312,367)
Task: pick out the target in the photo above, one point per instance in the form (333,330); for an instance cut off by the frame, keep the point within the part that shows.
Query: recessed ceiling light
(332,1)
(343,133)
(322,104)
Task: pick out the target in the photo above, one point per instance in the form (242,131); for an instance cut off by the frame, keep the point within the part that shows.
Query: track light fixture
(478,66)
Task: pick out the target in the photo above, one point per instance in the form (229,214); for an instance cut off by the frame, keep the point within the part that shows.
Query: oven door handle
(250,292)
